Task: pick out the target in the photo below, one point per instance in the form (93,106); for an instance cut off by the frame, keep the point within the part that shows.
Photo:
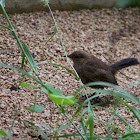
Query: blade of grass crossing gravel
(83,128)
(10,131)
(23,47)
(136,113)
(90,121)
(54,64)
(47,131)
(104,92)
(39,130)
(107,130)
(63,111)
(23,76)
(135,134)
(63,46)
(4,26)
(134,110)
(111,126)
(86,110)
(51,36)
(47,126)
(24,72)
(63,127)
(77,111)
(62,43)
(11,27)
(111,118)
(29,58)
(123,120)
(23,59)
(120,93)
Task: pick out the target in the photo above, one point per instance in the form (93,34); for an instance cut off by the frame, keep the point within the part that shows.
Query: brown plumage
(91,69)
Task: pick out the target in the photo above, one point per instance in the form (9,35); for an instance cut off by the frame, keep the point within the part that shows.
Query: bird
(91,69)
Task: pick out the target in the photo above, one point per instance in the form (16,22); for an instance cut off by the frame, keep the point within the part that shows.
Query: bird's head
(79,56)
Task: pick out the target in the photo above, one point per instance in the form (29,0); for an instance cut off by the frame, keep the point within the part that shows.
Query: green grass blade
(135,134)
(4,26)
(23,60)
(63,127)
(136,113)
(51,36)
(46,2)
(27,85)
(39,130)
(35,108)
(120,93)
(90,121)
(3,133)
(10,131)
(84,129)
(24,72)
(124,121)
(54,64)
(47,126)
(29,57)
(2,3)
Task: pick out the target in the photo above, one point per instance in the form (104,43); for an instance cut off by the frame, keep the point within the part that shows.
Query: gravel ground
(108,34)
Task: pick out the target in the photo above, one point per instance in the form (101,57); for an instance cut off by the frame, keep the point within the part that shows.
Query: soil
(108,34)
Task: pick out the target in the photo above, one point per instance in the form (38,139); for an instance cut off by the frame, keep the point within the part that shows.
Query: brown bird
(91,69)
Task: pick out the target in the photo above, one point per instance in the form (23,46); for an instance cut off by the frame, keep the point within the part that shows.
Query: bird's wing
(95,73)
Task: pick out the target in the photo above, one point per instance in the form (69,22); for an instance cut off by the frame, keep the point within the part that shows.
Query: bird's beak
(67,56)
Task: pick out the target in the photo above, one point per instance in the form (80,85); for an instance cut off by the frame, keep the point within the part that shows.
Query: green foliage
(3,133)
(62,100)
(136,113)
(35,108)
(2,3)
(90,121)
(126,3)
(53,90)
(27,85)
(57,96)
(29,57)
(46,2)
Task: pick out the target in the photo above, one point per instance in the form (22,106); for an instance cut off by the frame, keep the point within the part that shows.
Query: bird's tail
(124,63)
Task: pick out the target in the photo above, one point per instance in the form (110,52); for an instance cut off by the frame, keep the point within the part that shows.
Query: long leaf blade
(29,57)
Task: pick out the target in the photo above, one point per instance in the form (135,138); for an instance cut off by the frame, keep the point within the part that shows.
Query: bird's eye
(76,56)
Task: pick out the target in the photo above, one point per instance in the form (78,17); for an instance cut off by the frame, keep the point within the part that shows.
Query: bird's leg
(94,100)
